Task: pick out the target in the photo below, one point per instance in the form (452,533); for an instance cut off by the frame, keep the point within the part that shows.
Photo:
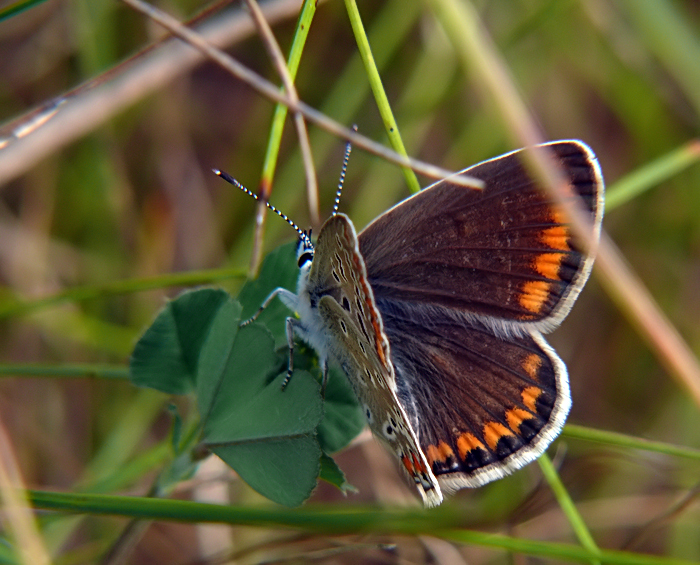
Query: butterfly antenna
(346,158)
(229,179)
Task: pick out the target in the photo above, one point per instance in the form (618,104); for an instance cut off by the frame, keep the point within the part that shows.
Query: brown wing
(482,406)
(501,253)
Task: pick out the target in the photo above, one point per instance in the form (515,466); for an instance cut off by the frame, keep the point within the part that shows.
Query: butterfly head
(305,250)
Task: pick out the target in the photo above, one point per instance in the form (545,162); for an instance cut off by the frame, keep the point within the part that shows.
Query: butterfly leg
(285,295)
(291,322)
(290,300)
(324,380)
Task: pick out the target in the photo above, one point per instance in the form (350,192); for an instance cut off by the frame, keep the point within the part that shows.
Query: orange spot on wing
(380,343)
(493,431)
(558,217)
(445,451)
(418,464)
(440,453)
(432,453)
(535,294)
(548,264)
(406,460)
(530,396)
(556,237)
(466,443)
(515,417)
(531,365)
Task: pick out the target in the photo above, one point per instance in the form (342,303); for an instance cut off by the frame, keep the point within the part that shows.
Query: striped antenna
(229,179)
(346,158)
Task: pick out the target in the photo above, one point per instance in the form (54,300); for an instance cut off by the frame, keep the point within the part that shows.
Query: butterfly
(436,313)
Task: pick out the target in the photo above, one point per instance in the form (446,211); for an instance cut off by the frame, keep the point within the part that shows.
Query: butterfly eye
(305,249)
(304,258)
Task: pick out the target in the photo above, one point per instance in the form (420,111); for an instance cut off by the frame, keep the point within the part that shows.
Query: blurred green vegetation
(134,199)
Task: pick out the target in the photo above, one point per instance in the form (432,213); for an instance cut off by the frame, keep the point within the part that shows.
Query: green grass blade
(652,174)
(671,37)
(622,440)
(67,370)
(443,522)
(568,507)
(273,145)
(10,307)
(390,125)
(18,7)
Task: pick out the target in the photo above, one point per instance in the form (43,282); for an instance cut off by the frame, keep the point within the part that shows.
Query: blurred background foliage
(134,197)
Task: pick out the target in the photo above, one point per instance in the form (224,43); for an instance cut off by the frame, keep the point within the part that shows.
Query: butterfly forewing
(358,344)
(503,253)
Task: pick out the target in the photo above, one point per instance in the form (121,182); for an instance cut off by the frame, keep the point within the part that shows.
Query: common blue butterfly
(436,313)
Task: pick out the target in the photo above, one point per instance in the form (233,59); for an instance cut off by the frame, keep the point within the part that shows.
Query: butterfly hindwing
(507,398)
